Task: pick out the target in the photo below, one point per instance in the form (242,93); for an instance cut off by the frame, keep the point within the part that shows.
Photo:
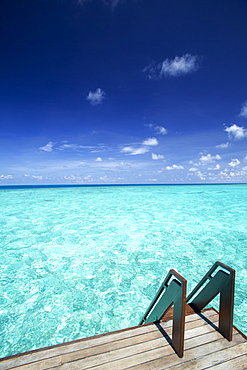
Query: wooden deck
(142,347)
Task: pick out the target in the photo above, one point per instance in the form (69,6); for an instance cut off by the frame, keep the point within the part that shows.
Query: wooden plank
(36,355)
(185,363)
(194,324)
(57,360)
(118,359)
(77,344)
(169,315)
(236,363)
(157,359)
(132,346)
(164,355)
(15,361)
(131,357)
(97,354)
(217,360)
(87,352)
(141,347)
(205,330)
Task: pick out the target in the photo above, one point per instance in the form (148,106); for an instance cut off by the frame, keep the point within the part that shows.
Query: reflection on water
(82,261)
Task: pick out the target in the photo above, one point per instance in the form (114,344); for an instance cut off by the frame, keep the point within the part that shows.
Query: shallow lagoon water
(81,261)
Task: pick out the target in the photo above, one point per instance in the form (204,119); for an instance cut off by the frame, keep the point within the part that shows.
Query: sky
(123,91)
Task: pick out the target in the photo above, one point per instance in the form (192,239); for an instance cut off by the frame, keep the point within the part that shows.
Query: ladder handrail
(221,283)
(171,291)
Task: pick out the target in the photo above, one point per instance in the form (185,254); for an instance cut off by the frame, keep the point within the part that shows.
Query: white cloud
(99,159)
(206,159)
(48,147)
(115,3)
(161,130)
(37,177)
(73,178)
(234,162)
(112,3)
(193,169)
(123,165)
(88,178)
(173,67)
(243,112)
(217,167)
(75,147)
(134,151)
(104,178)
(223,146)
(96,97)
(179,65)
(157,156)
(6,177)
(80,148)
(152,141)
(200,175)
(174,167)
(236,132)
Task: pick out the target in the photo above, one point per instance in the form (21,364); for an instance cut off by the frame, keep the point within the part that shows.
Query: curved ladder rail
(222,282)
(171,291)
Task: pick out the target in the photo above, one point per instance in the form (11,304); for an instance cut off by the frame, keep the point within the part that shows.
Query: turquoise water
(82,261)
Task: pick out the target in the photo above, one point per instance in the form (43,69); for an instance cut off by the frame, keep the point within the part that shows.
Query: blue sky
(123,91)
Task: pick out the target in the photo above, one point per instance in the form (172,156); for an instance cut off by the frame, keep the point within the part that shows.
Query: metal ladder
(220,279)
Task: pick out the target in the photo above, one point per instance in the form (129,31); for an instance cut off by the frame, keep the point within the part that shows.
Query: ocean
(84,260)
